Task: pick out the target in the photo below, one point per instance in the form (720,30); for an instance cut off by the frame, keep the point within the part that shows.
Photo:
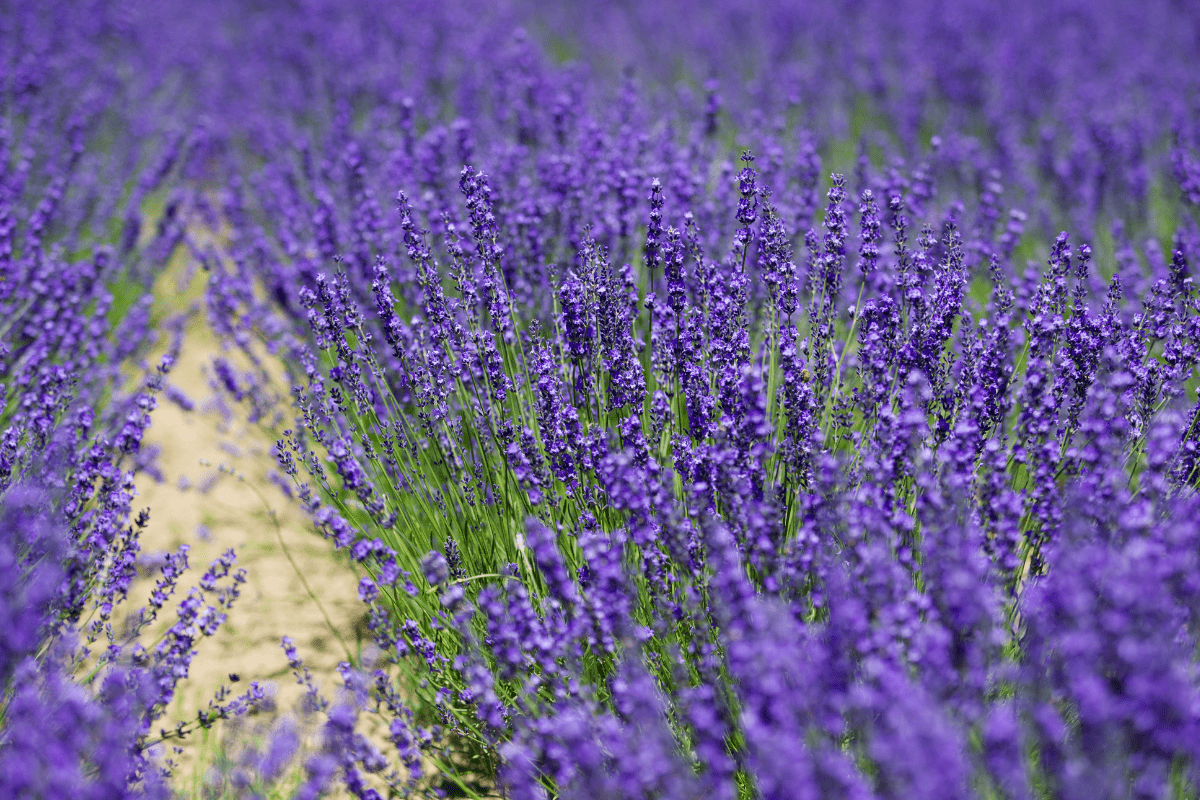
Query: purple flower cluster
(78,718)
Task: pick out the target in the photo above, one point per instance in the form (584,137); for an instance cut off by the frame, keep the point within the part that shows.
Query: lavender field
(720,400)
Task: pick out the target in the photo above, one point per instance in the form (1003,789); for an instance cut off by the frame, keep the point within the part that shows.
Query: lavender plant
(80,692)
(697,513)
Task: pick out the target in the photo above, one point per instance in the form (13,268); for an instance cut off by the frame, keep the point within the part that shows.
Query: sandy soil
(198,503)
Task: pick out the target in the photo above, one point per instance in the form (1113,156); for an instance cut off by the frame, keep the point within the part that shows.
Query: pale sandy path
(198,505)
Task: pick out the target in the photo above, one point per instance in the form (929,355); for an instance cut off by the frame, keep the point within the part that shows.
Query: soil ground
(195,501)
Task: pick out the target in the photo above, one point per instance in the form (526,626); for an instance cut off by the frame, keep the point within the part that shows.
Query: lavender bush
(774,400)
(80,691)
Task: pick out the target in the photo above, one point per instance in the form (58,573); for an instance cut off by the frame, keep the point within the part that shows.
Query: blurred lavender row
(83,156)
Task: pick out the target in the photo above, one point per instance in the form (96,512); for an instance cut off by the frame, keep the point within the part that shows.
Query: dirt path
(200,504)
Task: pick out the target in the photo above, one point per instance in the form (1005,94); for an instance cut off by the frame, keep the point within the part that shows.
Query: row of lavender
(738,489)
(735,482)
(83,687)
